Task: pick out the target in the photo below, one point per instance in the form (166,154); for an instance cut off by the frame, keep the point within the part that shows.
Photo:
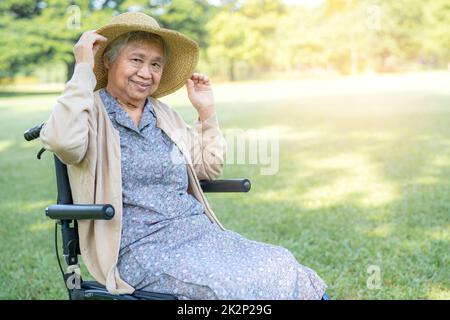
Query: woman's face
(137,71)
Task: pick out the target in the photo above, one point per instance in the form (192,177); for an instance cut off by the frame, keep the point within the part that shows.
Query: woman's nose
(144,72)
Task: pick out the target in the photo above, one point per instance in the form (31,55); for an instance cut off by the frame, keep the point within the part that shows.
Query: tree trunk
(231,70)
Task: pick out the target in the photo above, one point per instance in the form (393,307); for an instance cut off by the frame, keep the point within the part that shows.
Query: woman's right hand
(87,46)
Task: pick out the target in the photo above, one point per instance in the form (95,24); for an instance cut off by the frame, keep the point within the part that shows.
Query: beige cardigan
(81,134)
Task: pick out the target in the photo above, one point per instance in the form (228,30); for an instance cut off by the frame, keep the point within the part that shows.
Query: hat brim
(180,64)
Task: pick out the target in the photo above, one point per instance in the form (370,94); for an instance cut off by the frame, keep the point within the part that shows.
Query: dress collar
(121,116)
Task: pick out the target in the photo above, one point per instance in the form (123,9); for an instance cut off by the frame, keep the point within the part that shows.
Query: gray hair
(114,48)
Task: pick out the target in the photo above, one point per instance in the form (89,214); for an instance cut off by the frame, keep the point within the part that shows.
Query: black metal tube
(62,182)
(227,185)
(80,212)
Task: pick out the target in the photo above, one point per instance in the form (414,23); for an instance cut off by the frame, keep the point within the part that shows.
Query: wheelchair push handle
(80,212)
(33,133)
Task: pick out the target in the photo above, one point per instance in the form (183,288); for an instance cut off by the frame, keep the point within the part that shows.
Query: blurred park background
(245,39)
(357,91)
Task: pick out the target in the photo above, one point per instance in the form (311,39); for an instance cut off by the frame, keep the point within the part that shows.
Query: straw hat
(182,58)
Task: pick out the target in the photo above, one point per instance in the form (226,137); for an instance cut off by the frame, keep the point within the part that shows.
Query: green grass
(363,180)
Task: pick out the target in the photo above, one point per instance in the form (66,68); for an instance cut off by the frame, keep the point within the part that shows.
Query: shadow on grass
(320,205)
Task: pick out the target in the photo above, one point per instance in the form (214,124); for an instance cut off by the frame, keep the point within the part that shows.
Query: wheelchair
(66,214)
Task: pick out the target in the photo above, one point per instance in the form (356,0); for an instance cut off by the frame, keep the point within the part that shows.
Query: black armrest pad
(227,185)
(80,211)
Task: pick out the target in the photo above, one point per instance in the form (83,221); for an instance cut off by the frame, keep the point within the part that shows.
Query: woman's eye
(137,60)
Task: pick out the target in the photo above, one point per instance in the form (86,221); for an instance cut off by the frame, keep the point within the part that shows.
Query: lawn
(362,183)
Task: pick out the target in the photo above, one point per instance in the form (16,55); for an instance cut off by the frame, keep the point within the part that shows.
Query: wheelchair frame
(66,214)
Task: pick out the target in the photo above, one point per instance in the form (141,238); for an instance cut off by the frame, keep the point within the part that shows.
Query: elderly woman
(125,147)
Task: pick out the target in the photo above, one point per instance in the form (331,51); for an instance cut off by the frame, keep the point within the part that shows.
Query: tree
(244,32)
(229,41)
(38,31)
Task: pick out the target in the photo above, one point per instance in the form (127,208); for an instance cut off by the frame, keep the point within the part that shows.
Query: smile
(140,85)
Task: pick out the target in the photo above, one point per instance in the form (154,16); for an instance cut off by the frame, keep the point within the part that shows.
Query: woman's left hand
(201,95)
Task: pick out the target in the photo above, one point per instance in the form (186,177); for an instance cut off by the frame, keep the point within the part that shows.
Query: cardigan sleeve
(208,148)
(66,131)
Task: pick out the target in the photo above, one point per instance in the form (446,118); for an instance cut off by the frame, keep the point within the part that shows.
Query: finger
(98,37)
(199,77)
(189,86)
(195,79)
(203,79)
(87,34)
(103,39)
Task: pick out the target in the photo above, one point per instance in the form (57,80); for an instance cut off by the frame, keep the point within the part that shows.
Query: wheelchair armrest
(227,185)
(80,211)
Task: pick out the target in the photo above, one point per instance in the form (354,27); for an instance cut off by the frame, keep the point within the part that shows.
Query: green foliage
(52,27)
(244,38)
(21,9)
(345,36)
(246,35)
(188,17)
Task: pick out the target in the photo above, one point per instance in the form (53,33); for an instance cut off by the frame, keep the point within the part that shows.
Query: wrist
(206,115)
